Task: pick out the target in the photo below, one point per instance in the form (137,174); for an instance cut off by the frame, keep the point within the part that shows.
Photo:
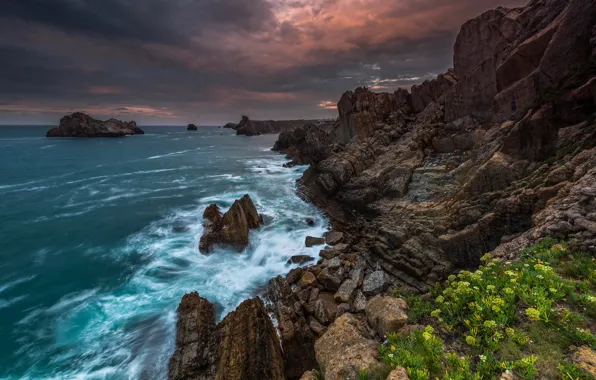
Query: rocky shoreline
(495,155)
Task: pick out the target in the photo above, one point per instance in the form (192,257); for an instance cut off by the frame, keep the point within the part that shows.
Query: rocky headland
(495,155)
(81,125)
(248,127)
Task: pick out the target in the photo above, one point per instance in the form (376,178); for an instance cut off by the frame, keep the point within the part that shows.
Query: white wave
(15,283)
(7,303)
(174,154)
(48,146)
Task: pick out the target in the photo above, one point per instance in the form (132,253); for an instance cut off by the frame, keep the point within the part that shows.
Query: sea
(99,242)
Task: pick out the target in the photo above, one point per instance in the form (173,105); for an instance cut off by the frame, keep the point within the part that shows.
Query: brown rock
(294,275)
(307,279)
(585,358)
(300,259)
(334,238)
(313,241)
(206,351)
(400,373)
(346,349)
(233,228)
(386,314)
(81,125)
(325,308)
(310,375)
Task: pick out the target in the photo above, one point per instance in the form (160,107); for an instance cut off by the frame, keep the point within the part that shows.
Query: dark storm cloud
(211,60)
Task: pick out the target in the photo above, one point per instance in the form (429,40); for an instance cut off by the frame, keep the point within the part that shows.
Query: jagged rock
(307,279)
(431,90)
(328,280)
(325,308)
(305,145)
(342,308)
(346,290)
(386,314)
(233,227)
(249,127)
(359,304)
(208,351)
(334,263)
(80,125)
(585,358)
(312,241)
(346,349)
(294,275)
(316,327)
(400,373)
(375,283)
(192,127)
(334,238)
(297,339)
(300,259)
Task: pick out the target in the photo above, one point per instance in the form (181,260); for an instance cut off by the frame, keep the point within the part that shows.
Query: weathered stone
(312,241)
(334,238)
(359,304)
(294,275)
(346,290)
(310,375)
(328,280)
(342,309)
(375,283)
(346,349)
(307,279)
(316,327)
(400,373)
(334,263)
(585,358)
(325,308)
(386,314)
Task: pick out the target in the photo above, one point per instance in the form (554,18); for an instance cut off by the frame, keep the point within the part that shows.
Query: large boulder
(81,125)
(232,228)
(386,314)
(346,349)
(242,346)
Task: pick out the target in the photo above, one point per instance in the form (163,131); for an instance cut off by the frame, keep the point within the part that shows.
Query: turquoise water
(99,241)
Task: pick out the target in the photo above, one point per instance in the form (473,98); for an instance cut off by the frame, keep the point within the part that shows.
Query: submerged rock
(81,125)
(242,346)
(233,227)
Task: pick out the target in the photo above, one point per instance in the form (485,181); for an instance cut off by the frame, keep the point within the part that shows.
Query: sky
(174,62)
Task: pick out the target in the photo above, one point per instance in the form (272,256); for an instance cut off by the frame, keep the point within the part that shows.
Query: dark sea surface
(99,241)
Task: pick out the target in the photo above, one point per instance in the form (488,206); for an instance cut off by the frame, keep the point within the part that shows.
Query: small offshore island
(81,125)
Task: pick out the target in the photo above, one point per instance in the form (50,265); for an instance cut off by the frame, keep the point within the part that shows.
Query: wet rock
(334,238)
(81,125)
(313,241)
(192,127)
(294,275)
(310,222)
(346,349)
(300,259)
(386,314)
(375,283)
(233,227)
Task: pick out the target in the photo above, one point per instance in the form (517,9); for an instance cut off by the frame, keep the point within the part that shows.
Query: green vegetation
(520,317)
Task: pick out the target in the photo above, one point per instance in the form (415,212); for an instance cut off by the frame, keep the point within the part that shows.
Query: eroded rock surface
(81,125)
(232,228)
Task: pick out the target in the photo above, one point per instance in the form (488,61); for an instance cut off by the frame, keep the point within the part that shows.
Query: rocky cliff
(80,125)
(249,127)
(494,154)
(244,346)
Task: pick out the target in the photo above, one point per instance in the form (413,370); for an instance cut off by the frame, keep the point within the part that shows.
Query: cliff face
(495,154)
(80,125)
(244,346)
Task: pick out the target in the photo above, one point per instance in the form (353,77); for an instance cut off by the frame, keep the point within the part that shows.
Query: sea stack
(192,127)
(81,125)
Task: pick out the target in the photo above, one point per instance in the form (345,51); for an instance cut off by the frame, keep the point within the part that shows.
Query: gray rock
(342,309)
(346,290)
(334,263)
(329,281)
(333,238)
(311,241)
(359,304)
(375,283)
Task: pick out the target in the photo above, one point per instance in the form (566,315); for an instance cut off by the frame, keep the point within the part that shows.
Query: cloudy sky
(172,62)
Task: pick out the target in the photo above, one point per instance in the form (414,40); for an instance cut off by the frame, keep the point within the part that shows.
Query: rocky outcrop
(192,127)
(426,193)
(431,90)
(242,346)
(80,125)
(249,127)
(308,144)
(233,126)
(232,228)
